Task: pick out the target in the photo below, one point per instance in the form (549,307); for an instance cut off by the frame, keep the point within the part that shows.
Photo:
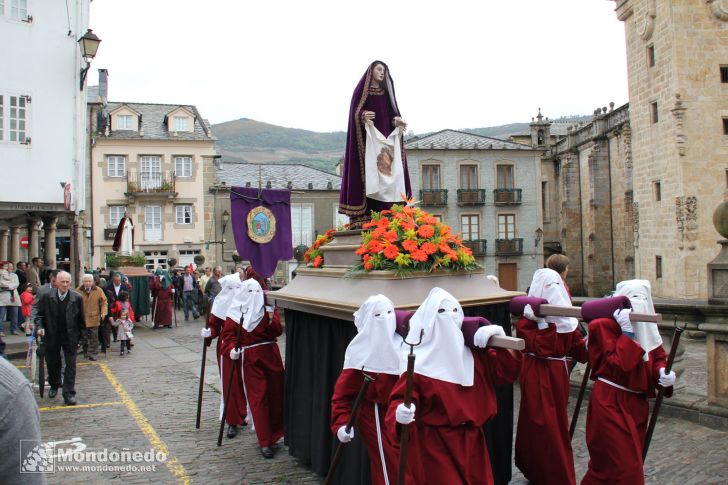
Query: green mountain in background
(258,142)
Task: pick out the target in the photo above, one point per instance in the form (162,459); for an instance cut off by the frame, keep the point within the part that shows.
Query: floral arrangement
(313,255)
(406,238)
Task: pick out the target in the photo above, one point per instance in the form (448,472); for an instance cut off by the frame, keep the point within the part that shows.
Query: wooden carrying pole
(404,434)
(349,425)
(205,343)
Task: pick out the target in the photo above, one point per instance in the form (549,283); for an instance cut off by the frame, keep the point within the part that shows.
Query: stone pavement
(148,399)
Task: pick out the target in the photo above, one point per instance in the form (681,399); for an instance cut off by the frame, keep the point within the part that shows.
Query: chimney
(103,85)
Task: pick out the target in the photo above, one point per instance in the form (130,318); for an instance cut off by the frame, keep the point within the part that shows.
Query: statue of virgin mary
(124,238)
(375,165)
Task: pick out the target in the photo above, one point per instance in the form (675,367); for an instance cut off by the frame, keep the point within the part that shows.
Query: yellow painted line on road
(173,464)
(82,406)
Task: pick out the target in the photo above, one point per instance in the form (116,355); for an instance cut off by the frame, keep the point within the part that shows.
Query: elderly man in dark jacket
(59,317)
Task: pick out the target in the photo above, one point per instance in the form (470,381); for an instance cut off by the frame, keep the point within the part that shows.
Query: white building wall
(528,214)
(41,58)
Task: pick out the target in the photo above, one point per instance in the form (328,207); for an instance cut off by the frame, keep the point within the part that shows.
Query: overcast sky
(455,63)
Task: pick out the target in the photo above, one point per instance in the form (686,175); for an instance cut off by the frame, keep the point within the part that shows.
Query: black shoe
(92,358)
(69,400)
(232,431)
(52,392)
(267,453)
(197,316)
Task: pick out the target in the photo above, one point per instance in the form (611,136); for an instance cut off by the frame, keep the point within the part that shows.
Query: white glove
(528,313)
(405,415)
(483,334)
(343,436)
(235,353)
(622,318)
(206,333)
(667,380)
(174,291)
(269,309)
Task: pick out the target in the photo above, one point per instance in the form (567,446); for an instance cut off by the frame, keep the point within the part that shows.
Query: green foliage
(115,261)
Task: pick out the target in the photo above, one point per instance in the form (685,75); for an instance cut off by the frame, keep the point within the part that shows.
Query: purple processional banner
(261,220)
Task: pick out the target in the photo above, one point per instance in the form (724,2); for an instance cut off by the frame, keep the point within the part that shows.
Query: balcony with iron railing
(507,196)
(433,197)
(471,197)
(508,247)
(478,246)
(151,183)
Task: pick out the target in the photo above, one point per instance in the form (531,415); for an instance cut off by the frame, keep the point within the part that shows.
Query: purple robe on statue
(352,197)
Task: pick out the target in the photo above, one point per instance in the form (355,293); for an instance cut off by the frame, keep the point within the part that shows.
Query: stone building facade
(487,189)
(677,55)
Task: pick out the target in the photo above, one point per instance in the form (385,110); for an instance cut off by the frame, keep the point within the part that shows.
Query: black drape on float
(315,347)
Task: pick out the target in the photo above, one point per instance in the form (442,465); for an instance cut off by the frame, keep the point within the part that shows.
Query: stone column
(4,244)
(34,239)
(14,244)
(49,227)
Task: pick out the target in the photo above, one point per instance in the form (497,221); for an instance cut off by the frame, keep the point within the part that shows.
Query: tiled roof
(153,126)
(278,174)
(459,140)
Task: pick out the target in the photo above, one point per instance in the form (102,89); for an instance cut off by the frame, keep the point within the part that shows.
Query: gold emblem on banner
(261,225)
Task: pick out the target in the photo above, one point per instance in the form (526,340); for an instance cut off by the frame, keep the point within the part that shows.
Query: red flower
(391,236)
(378,233)
(407,225)
(426,231)
(361,250)
(428,247)
(368,225)
(375,246)
(386,212)
(391,252)
(318,262)
(445,248)
(419,255)
(383,223)
(409,245)
(368,266)
(367,258)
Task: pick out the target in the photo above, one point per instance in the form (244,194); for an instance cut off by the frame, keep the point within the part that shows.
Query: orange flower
(378,232)
(428,247)
(368,225)
(368,266)
(367,258)
(383,223)
(419,255)
(426,231)
(318,262)
(407,225)
(375,246)
(361,250)
(386,212)
(444,248)
(391,236)
(409,245)
(444,230)
(391,252)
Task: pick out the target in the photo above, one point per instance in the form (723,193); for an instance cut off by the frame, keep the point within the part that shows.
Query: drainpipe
(611,222)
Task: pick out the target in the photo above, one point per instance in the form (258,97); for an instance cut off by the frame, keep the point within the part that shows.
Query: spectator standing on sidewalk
(189,289)
(204,278)
(33,273)
(95,308)
(125,325)
(59,317)
(21,272)
(213,287)
(113,290)
(9,297)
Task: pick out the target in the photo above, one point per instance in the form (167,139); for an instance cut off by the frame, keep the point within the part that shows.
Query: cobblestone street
(148,400)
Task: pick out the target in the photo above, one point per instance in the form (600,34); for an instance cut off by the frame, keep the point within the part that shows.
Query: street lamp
(89,44)
(539,235)
(225,217)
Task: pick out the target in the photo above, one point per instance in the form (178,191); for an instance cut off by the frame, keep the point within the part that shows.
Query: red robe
(345,392)
(161,304)
(447,444)
(237,408)
(543,445)
(262,374)
(616,422)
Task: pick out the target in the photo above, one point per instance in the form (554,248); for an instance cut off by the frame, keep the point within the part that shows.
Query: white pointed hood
(442,353)
(376,346)
(547,284)
(230,285)
(248,301)
(639,293)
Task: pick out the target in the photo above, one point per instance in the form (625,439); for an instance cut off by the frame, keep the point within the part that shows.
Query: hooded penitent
(376,346)
(639,293)
(230,285)
(547,284)
(248,301)
(164,278)
(442,353)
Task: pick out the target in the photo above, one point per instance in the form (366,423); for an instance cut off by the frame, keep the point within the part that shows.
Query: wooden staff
(404,434)
(230,381)
(354,412)
(205,344)
(661,390)
(577,408)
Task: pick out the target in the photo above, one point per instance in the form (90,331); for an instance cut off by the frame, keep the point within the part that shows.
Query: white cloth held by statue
(383,165)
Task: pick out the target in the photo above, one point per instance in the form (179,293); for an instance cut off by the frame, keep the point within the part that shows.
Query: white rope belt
(563,359)
(257,345)
(242,376)
(614,384)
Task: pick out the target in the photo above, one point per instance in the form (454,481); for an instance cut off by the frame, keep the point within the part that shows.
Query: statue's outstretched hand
(368,115)
(399,122)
